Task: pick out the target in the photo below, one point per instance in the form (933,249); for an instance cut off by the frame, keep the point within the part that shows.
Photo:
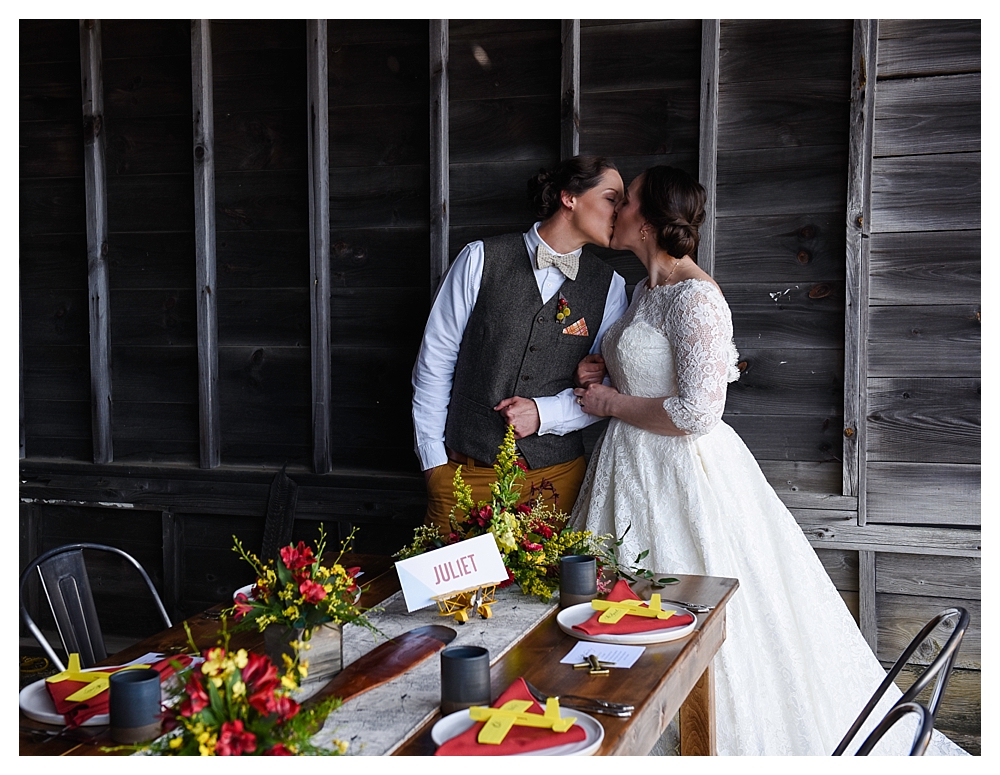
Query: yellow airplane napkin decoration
(613,612)
(499,721)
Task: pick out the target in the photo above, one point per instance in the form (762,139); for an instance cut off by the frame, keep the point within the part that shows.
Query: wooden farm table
(669,677)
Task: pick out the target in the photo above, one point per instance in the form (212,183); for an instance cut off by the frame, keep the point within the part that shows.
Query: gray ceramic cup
(465,678)
(134,705)
(577,579)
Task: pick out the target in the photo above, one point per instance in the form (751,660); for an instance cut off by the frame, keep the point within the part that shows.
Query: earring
(642,236)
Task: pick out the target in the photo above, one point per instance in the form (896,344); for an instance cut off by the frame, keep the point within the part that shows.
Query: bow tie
(568,264)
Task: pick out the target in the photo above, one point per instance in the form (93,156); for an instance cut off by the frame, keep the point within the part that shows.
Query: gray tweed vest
(513,346)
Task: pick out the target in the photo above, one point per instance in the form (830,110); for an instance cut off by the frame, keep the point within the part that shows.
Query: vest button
(532,348)
(525,377)
(541,319)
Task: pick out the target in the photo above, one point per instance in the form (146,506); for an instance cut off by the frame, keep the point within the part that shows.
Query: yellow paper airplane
(613,612)
(514,712)
(96,680)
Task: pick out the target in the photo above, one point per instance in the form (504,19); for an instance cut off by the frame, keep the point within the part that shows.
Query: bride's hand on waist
(597,399)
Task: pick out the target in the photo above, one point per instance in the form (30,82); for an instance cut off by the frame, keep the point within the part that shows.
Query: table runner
(377,722)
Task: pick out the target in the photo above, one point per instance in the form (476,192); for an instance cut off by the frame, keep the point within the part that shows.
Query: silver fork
(591,704)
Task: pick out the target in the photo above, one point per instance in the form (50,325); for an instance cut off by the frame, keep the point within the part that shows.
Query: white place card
(474,562)
(622,656)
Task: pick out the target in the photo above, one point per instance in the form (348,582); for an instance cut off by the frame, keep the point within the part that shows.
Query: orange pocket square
(579,328)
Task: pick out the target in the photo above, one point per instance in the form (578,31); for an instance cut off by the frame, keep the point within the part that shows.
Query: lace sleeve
(700,329)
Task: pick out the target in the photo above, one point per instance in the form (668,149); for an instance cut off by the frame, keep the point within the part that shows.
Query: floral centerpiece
(531,535)
(300,605)
(236,703)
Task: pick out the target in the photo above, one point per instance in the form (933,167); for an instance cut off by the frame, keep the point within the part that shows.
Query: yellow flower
(213,664)
(341,745)
(176,742)
(241,658)
(292,612)
(239,688)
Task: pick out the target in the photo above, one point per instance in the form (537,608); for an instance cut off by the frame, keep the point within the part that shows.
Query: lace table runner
(379,721)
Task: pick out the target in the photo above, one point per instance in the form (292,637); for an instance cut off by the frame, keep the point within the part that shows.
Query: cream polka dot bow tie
(568,264)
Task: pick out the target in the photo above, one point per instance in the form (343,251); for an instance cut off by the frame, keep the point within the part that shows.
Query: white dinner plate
(243,591)
(578,614)
(456,723)
(36,702)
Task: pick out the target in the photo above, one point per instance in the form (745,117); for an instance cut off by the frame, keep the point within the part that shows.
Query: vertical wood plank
(440,186)
(697,717)
(569,108)
(868,618)
(709,137)
(92,83)
(319,239)
(858,248)
(203,127)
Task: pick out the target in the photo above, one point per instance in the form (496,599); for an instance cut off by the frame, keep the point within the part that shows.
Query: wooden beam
(92,83)
(203,128)
(866,598)
(859,197)
(709,138)
(319,239)
(440,186)
(569,109)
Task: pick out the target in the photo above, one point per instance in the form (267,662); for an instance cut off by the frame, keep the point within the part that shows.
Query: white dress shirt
(434,370)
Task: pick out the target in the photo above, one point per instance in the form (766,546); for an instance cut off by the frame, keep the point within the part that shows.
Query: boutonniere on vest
(579,328)
(562,309)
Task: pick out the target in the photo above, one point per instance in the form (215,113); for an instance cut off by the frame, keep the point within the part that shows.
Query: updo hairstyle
(674,203)
(574,176)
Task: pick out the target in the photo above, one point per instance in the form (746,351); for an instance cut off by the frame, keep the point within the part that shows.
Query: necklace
(671,273)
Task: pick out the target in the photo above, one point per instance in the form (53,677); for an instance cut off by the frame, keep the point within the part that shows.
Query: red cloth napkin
(75,713)
(518,739)
(628,625)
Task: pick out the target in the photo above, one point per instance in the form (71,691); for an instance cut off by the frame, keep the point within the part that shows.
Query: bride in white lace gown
(794,671)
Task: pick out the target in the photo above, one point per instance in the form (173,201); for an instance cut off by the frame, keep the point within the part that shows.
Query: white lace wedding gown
(794,671)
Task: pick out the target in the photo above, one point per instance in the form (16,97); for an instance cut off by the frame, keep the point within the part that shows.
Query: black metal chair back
(66,584)
(921,737)
(939,668)
(280,516)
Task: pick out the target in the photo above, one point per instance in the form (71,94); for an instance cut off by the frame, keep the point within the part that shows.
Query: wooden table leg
(697,717)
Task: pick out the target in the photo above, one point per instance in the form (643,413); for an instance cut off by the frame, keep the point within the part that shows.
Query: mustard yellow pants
(565,479)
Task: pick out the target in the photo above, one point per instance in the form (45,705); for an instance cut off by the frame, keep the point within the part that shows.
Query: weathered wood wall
(923,366)
(859,336)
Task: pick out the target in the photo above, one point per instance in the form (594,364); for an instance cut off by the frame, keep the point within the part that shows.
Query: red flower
(259,674)
(196,699)
(545,531)
(452,538)
(311,591)
(278,750)
(234,740)
(522,465)
(265,702)
(296,557)
(241,608)
(509,581)
(531,547)
(481,515)
(523,508)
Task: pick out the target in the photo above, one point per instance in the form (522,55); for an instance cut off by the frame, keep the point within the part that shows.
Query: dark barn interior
(231,231)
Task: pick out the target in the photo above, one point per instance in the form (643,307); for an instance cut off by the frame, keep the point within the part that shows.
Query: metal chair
(940,668)
(921,738)
(67,586)
(280,516)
